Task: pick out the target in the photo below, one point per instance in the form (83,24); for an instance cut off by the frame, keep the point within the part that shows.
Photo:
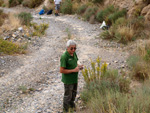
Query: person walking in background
(69,69)
(57,7)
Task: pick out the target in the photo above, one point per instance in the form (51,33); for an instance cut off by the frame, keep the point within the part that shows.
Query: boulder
(136,10)
(127,4)
(146,12)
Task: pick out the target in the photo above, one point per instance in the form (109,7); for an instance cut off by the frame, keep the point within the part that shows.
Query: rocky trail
(39,69)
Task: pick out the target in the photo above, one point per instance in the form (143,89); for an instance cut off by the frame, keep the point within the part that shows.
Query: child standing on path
(57,6)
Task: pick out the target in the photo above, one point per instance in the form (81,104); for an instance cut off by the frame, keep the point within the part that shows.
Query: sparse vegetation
(32,3)
(39,29)
(14,21)
(104,14)
(13,3)
(104,88)
(111,92)
(82,9)
(125,30)
(90,11)
(25,18)
(10,48)
(26,3)
(2,17)
(25,90)
(115,15)
(140,63)
(66,7)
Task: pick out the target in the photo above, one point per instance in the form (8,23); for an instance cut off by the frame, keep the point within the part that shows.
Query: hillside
(30,82)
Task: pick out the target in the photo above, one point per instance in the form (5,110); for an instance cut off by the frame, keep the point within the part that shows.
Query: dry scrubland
(105,90)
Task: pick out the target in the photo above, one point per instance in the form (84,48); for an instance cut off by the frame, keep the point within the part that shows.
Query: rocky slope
(134,7)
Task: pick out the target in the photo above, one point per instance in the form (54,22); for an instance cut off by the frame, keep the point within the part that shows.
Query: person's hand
(80,67)
(76,69)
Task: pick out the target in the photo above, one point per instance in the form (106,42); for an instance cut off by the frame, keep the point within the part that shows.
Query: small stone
(20,29)
(44,73)
(123,66)
(108,63)
(39,111)
(116,61)
(19,40)
(7,37)
(48,110)
(2,61)
(14,35)
(29,38)
(2,74)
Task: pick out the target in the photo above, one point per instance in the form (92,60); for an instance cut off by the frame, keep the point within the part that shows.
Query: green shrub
(110,89)
(82,9)
(9,48)
(23,89)
(66,7)
(39,29)
(25,18)
(3,5)
(102,15)
(90,12)
(140,63)
(113,17)
(121,21)
(147,56)
(132,60)
(106,35)
(97,71)
(138,23)
(123,31)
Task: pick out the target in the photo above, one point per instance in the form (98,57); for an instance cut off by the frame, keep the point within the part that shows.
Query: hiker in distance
(69,69)
(57,7)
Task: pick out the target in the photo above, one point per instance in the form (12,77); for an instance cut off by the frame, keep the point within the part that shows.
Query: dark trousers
(70,91)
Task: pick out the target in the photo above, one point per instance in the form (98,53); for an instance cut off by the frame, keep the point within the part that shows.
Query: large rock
(134,7)
(127,4)
(146,12)
(136,10)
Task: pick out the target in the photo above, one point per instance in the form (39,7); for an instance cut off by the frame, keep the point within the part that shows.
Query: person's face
(71,49)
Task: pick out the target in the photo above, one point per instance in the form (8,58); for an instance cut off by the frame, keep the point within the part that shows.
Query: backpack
(50,12)
(41,12)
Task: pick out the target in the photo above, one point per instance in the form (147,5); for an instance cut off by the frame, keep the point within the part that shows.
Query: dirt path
(40,69)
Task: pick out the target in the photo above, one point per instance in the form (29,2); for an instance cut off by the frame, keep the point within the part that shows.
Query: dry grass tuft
(11,23)
(126,32)
(140,63)
(15,22)
(75,7)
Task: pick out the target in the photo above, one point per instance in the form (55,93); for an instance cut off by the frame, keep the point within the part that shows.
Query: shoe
(56,14)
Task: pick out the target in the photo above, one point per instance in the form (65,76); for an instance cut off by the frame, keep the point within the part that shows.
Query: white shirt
(57,1)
